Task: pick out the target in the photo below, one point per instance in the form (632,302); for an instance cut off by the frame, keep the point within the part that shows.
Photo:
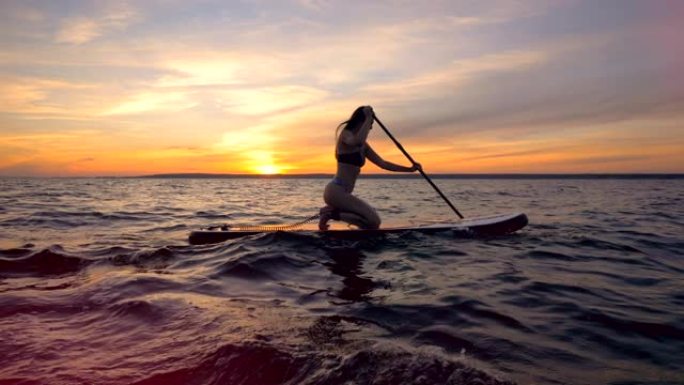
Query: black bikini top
(356,158)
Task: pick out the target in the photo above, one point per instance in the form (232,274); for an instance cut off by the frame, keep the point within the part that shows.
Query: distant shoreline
(417,176)
(375,176)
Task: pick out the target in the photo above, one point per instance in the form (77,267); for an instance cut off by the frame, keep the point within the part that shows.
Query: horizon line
(603,175)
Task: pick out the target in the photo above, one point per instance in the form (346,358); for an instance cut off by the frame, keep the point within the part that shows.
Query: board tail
(504,227)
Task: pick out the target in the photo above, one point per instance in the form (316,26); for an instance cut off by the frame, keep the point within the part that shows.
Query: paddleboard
(488,225)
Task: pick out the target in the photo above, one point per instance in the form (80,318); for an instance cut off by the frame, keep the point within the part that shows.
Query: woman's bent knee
(374,221)
(374,225)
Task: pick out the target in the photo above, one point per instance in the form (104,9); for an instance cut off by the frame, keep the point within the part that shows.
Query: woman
(351,151)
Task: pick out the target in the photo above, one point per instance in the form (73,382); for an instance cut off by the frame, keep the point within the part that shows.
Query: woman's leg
(357,220)
(352,209)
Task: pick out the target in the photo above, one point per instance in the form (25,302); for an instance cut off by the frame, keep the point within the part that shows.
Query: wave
(260,265)
(47,262)
(258,363)
(140,310)
(156,258)
(652,330)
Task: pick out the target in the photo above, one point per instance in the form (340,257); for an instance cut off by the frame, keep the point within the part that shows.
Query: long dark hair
(354,123)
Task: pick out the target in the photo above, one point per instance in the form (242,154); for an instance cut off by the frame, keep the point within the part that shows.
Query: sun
(268,169)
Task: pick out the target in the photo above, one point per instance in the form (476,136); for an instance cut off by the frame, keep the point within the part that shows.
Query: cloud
(31,95)
(152,101)
(452,76)
(314,5)
(510,154)
(617,159)
(27,168)
(80,30)
(563,86)
(25,13)
(268,100)
(203,69)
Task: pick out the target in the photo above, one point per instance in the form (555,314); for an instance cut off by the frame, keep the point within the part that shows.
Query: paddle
(413,162)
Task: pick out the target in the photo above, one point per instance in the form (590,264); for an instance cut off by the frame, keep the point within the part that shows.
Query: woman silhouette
(351,151)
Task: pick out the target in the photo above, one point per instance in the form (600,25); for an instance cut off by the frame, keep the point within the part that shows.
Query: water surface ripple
(98,285)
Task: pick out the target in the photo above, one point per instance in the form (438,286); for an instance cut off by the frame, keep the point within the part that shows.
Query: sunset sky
(97,88)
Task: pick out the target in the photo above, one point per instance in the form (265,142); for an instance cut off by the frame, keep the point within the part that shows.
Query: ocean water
(99,286)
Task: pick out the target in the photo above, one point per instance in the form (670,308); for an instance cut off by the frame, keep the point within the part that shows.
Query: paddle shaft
(420,170)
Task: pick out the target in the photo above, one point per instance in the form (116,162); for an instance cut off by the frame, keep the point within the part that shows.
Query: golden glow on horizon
(258,150)
(268,169)
(263,162)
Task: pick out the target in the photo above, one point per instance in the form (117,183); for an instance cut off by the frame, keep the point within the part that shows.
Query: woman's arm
(389,166)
